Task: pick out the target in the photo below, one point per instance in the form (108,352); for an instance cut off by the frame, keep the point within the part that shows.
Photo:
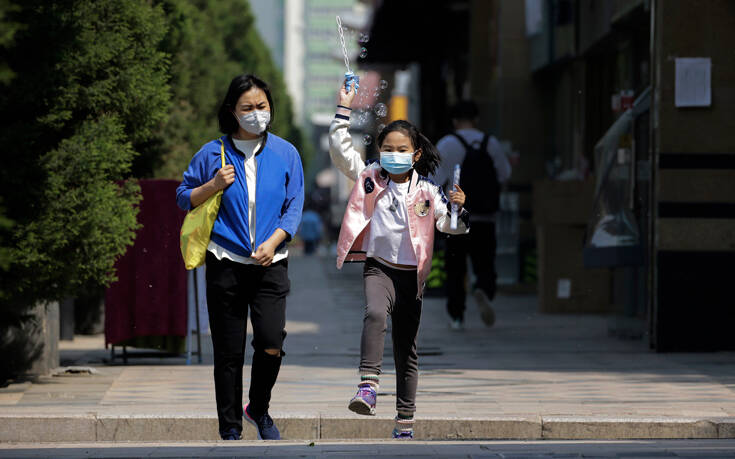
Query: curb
(92,427)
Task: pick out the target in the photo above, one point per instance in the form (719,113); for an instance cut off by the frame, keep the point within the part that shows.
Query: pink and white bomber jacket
(426,204)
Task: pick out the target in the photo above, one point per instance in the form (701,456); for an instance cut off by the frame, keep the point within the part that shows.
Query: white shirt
(453,152)
(389,237)
(248,148)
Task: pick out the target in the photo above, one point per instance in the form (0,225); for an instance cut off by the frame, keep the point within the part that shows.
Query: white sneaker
(486,311)
(456,325)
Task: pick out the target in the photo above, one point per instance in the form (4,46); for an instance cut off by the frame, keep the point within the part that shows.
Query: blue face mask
(396,162)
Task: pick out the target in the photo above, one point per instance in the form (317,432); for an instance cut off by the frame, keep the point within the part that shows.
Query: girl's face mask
(396,162)
(255,122)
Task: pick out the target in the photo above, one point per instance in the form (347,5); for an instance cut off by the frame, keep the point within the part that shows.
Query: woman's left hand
(265,253)
(267,250)
(457,197)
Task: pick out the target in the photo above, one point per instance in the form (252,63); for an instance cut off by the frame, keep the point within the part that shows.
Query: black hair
(429,161)
(227,122)
(464,110)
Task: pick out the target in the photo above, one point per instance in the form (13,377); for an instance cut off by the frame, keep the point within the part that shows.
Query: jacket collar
(227,138)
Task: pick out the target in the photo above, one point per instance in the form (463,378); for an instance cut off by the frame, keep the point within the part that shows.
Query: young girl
(389,223)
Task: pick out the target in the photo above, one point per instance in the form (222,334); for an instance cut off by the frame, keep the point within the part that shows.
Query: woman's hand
(457,197)
(224,177)
(267,250)
(345,97)
(265,253)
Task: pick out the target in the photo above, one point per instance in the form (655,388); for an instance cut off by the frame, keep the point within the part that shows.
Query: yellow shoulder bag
(197,227)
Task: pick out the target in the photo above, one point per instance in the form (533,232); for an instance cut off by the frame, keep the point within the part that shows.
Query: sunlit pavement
(530,376)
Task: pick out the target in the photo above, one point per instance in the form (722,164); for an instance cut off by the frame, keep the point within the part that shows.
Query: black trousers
(232,289)
(480,244)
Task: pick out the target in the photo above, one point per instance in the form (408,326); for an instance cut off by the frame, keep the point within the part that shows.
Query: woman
(247,264)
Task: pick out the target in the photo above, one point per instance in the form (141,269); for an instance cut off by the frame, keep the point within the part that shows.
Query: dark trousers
(232,288)
(480,244)
(392,292)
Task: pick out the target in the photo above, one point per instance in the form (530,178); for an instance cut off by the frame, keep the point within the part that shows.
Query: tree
(89,89)
(8,28)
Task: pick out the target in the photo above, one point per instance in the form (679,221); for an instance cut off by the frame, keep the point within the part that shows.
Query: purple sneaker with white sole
(402,434)
(364,401)
(404,428)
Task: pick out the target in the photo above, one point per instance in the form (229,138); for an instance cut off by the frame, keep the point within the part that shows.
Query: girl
(247,264)
(389,224)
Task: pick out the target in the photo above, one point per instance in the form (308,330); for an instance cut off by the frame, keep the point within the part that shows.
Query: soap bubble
(367,139)
(383,84)
(364,37)
(381,110)
(381,126)
(363,52)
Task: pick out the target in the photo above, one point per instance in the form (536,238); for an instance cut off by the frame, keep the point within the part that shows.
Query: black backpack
(478,178)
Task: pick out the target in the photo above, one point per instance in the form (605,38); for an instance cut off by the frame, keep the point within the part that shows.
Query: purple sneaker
(403,434)
(364,400)
(404,428)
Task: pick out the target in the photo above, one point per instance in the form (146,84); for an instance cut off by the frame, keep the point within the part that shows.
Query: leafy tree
(8,28)
(90,89)
(7,32)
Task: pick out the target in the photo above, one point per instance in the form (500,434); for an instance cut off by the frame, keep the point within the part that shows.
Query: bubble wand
(455,207)
(350,77)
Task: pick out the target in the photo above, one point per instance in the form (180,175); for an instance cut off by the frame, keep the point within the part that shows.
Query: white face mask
(255,122)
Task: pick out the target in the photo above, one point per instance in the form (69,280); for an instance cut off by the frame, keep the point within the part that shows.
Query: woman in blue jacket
(247,264)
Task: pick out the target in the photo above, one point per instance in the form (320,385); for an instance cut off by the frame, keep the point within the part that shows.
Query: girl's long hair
(429,161)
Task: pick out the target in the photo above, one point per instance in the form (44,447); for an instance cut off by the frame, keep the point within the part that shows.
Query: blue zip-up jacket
(279,192)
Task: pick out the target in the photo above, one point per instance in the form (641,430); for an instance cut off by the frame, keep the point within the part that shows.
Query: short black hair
(429,160)
(240,84)
(464,110)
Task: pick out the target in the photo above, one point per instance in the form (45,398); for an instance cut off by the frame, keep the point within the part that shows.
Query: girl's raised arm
(344,155)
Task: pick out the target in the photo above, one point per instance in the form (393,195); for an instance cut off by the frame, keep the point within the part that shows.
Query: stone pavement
(531,376)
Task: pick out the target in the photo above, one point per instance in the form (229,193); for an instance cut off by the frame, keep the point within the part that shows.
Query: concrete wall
(511,103)
(688,28)
(694,181)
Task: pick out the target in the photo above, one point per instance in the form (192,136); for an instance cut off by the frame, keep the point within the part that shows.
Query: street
(384,449)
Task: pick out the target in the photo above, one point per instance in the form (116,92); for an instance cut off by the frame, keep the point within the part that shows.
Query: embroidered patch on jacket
(422,208)
(369,185)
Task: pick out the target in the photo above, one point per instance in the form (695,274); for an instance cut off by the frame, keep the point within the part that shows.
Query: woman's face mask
(396,162)
(255,122)
(253,111)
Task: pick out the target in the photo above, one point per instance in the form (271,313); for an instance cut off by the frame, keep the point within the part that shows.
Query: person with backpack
(484,168)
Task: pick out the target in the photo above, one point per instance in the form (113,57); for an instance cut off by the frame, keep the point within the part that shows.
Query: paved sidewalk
(530,376)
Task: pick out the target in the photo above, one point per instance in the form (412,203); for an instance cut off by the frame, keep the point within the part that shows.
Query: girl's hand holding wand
(457,197)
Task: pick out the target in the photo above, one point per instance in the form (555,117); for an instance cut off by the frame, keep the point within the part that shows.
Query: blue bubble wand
(350,77)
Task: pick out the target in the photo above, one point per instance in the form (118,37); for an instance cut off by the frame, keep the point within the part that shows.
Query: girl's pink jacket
(427,206)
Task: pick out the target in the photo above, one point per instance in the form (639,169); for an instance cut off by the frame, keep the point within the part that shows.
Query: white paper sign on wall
(564,288)
(693,82)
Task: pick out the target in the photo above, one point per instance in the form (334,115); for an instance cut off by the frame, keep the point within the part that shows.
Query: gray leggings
(392,292)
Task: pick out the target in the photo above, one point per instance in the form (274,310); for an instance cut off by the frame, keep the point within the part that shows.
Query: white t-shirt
(248,148)
(389,234)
